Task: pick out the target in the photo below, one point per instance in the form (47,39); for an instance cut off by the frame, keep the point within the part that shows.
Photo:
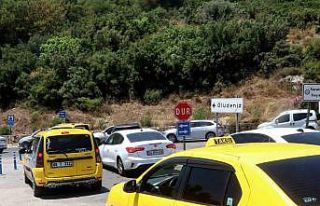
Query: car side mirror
(22,151)
(130,187)
(277,121)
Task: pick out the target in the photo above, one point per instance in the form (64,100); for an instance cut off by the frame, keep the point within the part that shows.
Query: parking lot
(13,190)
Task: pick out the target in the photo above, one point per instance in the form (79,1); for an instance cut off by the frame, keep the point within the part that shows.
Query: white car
(200,130)
(3,144)
(132,149)
(278,135)
(293,119)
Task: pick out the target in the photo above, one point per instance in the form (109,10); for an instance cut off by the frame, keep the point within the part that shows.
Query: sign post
(310,93)
(10,121)
(228,105)
(183,112)
(62,114)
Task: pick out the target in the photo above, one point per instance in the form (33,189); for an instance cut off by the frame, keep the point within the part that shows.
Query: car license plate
(61,164)
(155,152)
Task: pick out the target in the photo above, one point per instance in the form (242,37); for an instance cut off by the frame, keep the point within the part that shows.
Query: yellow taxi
(222,173)
(72,125)
(62,157)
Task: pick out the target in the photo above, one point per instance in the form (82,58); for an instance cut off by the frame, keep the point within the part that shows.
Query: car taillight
(97,152)
(172,146)
(134,149)
(39,160)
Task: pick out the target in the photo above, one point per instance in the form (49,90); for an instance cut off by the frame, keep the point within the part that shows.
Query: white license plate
(61,164)
(155,152)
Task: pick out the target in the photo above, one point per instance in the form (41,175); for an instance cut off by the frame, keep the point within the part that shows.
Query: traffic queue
(266,166)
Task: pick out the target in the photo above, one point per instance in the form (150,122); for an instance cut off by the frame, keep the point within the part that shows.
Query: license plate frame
(155,152)
(61,164)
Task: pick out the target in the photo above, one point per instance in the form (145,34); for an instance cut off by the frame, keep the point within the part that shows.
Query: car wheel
(97,186)
(1,150)
(210,134)
(310,127)
(37,191)
(120,167)
(172,138)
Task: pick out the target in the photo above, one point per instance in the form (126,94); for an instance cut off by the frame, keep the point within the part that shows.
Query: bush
(35,116)
(146,120)
(199,113)
(86,104)
(4,130)
(152,97)
(55,121)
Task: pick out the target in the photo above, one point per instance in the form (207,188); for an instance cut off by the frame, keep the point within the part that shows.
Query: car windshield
(303,137)
(298,177)
(145,136)
(68,144)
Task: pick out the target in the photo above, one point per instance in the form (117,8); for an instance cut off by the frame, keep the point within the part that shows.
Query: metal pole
(184,142)
(14,161)
(0,164)
(308,115)
(237,122)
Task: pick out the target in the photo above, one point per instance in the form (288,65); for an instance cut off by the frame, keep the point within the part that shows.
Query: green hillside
(80,53)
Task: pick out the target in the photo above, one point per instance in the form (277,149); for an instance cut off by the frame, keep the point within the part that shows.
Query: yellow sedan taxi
(222,173)
(62,157)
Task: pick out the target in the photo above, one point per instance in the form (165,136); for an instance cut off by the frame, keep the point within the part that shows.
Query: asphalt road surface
(14,192)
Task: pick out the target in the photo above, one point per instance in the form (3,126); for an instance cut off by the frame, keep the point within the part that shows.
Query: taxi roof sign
(220,141)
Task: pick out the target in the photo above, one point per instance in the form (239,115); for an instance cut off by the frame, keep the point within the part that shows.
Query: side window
(300,116)
(251,137)
(118,139)
(163,181)
(284,118)
(193,124)
(110,140)
(206,186)
(233,194)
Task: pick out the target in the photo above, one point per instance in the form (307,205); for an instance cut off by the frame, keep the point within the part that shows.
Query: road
(15,192)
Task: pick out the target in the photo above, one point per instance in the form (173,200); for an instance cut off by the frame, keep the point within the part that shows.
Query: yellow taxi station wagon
(263,174)
(62,157)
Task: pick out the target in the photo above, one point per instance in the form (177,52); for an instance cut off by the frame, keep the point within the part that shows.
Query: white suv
(200,130)
(293,119)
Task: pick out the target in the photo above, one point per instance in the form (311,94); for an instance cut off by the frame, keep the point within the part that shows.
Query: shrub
(87,104)
(55,121)
(35,116)
(199,113)
(152,97)
(4,130)
(146,120)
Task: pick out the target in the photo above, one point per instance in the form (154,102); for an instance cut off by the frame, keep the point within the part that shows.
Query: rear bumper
(135,163)
(51,182)
(55,184)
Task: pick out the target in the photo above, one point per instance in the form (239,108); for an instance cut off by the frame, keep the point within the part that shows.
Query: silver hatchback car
(200,130)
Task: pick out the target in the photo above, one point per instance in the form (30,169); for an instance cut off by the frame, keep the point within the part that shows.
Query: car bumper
(136,163)
(52,182)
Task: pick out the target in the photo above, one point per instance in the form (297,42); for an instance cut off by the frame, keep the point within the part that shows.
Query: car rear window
(298,177)
(145,136)
(68,144)
(303,137)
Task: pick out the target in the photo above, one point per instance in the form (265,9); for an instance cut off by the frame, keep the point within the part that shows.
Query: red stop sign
(183,111)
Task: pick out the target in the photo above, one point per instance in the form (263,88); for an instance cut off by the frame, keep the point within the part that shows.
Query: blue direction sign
(10,120)
(62,114)
(183,128)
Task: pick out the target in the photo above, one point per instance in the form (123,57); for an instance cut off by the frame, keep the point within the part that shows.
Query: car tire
(310,127)
(172,138)
(1,150)
(97,186)
(120,167)
(210,134)
(37,191)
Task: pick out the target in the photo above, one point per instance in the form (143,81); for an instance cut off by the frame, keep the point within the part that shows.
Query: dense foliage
(78,53)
